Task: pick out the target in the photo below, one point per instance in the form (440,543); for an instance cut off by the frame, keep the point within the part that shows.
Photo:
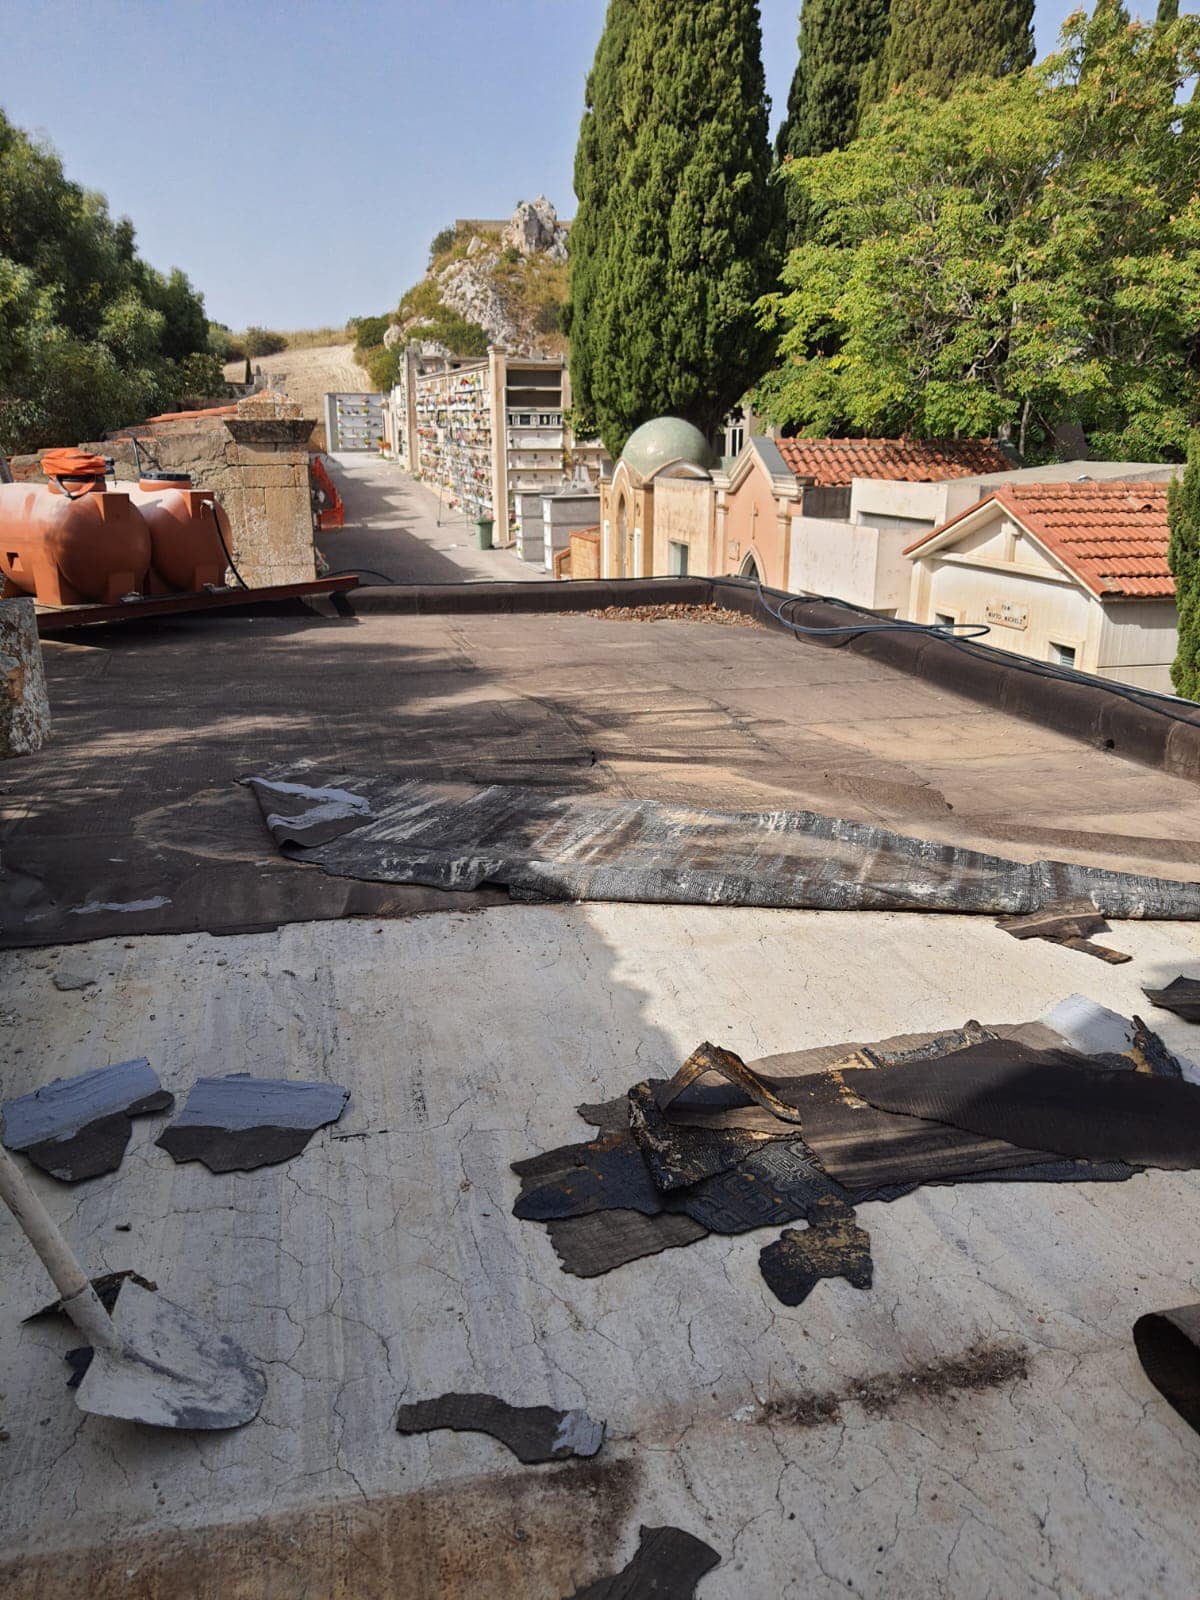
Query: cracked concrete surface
(388,1267)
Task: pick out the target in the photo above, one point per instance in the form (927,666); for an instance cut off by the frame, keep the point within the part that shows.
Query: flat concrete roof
(388,1267)
(384,1264)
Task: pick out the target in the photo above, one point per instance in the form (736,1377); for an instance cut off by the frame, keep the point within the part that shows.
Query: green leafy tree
(1023,256)
(1183,557)
(676,227)
(263,342)
(933,44)
(91,336)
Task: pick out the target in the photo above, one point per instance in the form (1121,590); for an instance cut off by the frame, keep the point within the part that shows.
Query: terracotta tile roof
(834,463)
(1112,536)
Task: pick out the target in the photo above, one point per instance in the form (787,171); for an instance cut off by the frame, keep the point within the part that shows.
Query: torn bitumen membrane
(668,1565)
(239,1122)
(463,837)
(1182,996)
(77,1128)
(877,1122)
(534,1434)
(1168,1346)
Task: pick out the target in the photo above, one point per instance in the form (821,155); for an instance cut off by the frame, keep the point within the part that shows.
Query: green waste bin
(483,533)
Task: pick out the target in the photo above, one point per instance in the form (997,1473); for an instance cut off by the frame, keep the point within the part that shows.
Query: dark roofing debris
(668,1565)
(1069,924)
(462,837)
(77,1128)
(1004,1090)
(832,1246)
(107,1286)
(702,1153)
(1182,996)
(533,1433)
(237,1123)
(1168,1346)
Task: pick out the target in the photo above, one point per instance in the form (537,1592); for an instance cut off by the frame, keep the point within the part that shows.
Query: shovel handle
(79,1300)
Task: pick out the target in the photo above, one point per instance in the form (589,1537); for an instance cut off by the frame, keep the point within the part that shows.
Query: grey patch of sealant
(62,1108)
(239,1101)
(327,805)
(95,907)
(579,1434)
(1087,1027)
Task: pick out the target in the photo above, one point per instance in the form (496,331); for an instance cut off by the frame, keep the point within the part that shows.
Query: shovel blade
(170,1369)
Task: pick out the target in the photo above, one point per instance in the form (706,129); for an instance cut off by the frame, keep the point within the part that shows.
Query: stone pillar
(498,387)
(24,706)
(268,498)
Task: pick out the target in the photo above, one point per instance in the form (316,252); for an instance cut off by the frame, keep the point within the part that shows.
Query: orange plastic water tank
(185,546)
(71,544)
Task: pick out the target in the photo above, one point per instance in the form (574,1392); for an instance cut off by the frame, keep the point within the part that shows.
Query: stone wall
(255,458)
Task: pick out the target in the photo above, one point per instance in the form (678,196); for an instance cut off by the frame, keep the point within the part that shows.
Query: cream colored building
(1070,573)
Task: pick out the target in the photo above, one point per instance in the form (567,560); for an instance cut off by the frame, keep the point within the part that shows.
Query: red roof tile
(1112,536)
(833,463)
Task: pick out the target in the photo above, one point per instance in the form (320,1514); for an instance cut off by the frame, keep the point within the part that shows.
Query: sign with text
(1007,615)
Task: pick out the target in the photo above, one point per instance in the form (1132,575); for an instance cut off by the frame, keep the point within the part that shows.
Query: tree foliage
(1183,557)
(932,45)
(675,232)
(1022,256)
(839,39)
(91,336)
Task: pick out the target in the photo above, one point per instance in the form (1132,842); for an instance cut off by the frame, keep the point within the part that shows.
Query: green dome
(666,439)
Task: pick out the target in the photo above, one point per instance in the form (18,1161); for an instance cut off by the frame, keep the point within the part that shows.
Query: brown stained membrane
(832,1246)
(677,1158)
(1004,1090)
(668,1565)
(1168,1346)
(1068,923)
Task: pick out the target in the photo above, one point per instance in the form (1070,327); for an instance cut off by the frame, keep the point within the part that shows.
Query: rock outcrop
(536,230)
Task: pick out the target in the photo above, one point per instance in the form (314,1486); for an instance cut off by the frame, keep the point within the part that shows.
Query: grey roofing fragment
(313,815)
(1168,1346)
(459,836)
(668,1565)
(533,1433)
(77,1128)
(239,1122)
(832,1246)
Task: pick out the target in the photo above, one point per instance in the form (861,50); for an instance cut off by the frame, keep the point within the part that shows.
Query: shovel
(152,1361)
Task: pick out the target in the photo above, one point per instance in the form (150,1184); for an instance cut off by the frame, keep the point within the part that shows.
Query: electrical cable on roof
(1039,669)
(346,572)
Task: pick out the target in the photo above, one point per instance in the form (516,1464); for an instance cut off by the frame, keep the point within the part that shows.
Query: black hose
(212,506)
(1039,669)
(346,572)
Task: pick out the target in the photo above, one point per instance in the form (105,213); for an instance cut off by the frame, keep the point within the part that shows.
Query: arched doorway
(749,568)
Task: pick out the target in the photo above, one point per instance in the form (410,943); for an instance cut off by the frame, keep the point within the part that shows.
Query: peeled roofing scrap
(77,1128)
(533,1433)
(461,836)
(668,1565)
(237,1123)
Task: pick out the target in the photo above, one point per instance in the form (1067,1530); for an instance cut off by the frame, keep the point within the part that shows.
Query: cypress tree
(1168,11)
(932,44)
(839,39)
(1183,558)
(675,237)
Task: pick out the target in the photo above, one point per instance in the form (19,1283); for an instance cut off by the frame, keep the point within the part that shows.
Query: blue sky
(295,158)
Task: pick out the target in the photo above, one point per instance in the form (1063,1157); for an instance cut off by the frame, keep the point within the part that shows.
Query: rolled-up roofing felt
(1168,1346)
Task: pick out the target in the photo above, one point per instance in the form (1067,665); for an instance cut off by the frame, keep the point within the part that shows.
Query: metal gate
(354,421)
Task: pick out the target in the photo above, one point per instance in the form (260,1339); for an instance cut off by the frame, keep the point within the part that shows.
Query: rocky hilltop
(507,282)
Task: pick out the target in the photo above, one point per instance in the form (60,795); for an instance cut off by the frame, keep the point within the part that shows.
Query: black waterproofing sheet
(1001,1089)
(832,1246)
(77,1128)
(1168,1346)
(668,1565)
(533,1433)
(1182,996)
(464,837)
